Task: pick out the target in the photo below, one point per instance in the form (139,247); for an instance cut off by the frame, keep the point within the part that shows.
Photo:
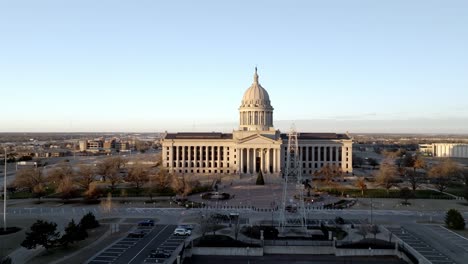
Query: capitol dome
(256,95)
(256,112)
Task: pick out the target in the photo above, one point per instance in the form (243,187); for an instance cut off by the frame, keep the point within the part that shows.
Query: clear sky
(109,65)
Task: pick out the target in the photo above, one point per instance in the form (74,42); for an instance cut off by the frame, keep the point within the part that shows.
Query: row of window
(198,164)
(204,171)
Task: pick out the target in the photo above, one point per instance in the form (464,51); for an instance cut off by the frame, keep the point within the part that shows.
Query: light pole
(5,192)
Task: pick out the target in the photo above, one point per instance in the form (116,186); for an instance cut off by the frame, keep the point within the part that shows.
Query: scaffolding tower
(293,216)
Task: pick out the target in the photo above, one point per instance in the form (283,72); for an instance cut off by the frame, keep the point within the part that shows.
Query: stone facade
(255,146)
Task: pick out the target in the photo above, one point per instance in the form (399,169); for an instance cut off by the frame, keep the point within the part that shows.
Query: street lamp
(5,192)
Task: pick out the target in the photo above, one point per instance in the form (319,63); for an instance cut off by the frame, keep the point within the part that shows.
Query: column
(307,154)
(239,160)
(325,153)
(262,159)
(219,156)
(336,155)
(189,156)
(268,160)
(177,156)
(212,157)
(248,160)
(313,156)
(275,160)
(195,156)
(206,157)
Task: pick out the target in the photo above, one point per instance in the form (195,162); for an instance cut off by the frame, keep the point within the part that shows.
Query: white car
(182,232)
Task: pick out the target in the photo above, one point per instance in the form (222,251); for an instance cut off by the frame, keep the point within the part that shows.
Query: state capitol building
(255,146)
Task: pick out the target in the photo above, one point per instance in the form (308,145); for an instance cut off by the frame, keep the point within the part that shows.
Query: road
(298,259)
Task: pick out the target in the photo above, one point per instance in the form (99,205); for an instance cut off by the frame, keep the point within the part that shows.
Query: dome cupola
(256,112)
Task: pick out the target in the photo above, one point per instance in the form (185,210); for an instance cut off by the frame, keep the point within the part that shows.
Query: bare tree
(85,176)
(418,163)
(62,179)
(66,187)
(414,178)
(182,186)
(163,179)
(363,230)
(109,169)
(374,229)
(361,184)
(138,175)
(59,173)
(330,173)
(386,177)
(443,173)
(29,178)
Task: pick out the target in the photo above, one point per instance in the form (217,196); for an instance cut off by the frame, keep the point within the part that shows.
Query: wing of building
(255,146)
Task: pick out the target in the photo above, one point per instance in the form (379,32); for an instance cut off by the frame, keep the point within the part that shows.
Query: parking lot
(430,253)
(169,245)
(452,236)
(137,249)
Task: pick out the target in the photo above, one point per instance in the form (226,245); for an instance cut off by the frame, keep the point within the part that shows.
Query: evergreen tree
(260,180)
(42,233)
(89,221)
(454,220)
(73,233)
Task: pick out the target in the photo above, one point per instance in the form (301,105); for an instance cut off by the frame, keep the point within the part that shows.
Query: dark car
(146,223)
(136,234)
(157,253)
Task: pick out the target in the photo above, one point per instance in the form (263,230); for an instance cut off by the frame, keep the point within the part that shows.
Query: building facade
(454,150)
(255,146)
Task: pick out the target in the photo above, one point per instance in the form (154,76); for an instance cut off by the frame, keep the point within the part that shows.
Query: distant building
(95,145)
(455,150)
(109,144)
(426,149)
(255,146)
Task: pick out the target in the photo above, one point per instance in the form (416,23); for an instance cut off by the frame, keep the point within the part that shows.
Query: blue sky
(358,66)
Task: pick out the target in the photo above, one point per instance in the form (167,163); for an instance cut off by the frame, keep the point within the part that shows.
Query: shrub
(454,220)
(260,180)
(42,233)
(269,232)
(89,221)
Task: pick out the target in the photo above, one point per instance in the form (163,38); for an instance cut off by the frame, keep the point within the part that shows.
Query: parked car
(182,232)
(188,227)
(136,234)
(147,222)
(158,253)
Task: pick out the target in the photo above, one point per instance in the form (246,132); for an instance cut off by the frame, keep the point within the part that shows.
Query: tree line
(87,180)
